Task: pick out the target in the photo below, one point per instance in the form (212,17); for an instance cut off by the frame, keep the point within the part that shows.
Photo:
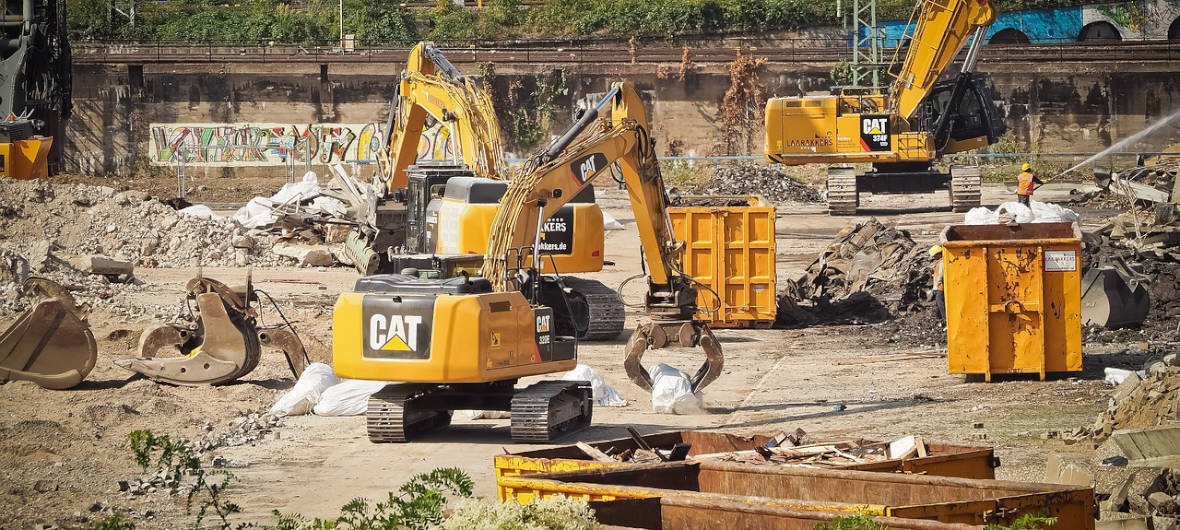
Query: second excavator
(465,342)
(435,216)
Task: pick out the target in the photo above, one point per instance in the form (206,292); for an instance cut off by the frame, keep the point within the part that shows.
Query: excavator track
(842,193)
(549,409)
(393,417)
(604,314)
(965,188)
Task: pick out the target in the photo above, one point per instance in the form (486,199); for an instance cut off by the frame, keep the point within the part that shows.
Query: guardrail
(798,51)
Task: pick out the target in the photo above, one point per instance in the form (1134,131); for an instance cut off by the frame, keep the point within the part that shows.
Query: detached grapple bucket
(222,345)
(50,344)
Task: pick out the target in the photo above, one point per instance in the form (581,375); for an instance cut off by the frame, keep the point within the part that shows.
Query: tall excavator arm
(555,175)
(432,86)
(943,27)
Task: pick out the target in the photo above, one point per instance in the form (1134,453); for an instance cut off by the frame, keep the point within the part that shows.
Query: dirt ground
(62,453)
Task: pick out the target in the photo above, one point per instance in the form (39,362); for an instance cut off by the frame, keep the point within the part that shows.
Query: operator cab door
(976,115)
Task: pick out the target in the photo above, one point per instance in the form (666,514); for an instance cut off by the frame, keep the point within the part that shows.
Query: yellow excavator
(464,342)
(435,216)
(904,131)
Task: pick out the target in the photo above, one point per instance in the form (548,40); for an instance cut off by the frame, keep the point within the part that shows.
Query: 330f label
(397,327)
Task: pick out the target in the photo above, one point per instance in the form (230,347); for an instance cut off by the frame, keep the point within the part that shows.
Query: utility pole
(342,23)
(866,43)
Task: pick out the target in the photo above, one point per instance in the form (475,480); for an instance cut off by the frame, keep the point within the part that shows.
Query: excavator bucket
(1112,300)
(654,335)
(223,345)
(50,344)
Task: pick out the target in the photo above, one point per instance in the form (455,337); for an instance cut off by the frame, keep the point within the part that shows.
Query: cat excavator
(902,132)
(464,342)
(435,217)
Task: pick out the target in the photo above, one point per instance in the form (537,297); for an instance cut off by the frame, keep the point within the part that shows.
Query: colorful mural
(273,144)
(1135,20)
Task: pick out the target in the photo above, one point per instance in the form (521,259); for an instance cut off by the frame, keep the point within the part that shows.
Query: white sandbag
(293,192)
(604,394)
(199,211)
(348,398)
(483,414)
(1014,212)
(298,401)
(255,213)
(671,391)
(1115,376)
(1045,212)
(610,223)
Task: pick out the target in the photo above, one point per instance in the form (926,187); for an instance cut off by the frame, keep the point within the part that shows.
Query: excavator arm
(555,175)
(943,27)
(432,86)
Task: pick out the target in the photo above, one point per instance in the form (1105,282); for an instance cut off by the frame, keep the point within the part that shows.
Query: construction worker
(1026,183)
(939,295)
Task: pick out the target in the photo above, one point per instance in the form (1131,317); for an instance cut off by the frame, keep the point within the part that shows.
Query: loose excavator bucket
(1112,299)
(50,344)
(223,344)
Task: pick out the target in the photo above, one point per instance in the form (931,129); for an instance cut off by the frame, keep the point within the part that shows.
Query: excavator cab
(975,120)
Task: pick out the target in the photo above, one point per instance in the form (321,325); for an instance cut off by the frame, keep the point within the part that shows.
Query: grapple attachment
(50,344)
(222,345)
(688,334)
(1112,298)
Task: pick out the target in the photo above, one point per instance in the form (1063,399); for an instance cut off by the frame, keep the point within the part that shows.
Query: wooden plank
(597,455)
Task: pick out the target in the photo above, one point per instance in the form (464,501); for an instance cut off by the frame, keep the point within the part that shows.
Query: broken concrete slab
(1125,388)
(306,255)
(1132,523)
(103,265)
(1150,446)
(1133,492)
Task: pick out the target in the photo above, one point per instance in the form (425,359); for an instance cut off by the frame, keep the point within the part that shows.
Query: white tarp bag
(328,205)
(671,391)
(1039,212)
(199,211)
(483,414)
(298,401)
(348,398)
(610,223)
(604,394)
(294,192)
(255,213)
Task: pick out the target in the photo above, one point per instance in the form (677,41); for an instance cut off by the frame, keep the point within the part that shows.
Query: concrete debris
(1147,491)
(1149,183)
(868,272)
(103,265)
(1154,401)
(305,255)
(748,178)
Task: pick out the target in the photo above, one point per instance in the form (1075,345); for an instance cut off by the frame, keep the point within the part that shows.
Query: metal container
(943,459)
(1013,301)
(709,495)
(730,248)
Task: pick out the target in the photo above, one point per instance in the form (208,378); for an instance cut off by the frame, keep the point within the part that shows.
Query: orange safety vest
(1025,184)
(938,275)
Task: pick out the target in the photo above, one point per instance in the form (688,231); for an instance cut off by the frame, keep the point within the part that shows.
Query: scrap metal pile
(746,179)
(869,271)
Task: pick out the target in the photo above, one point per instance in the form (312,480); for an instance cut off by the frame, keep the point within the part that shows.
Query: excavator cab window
(976,114)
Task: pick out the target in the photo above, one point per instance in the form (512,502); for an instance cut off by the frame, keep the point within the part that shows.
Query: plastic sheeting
(604,394)
(300,400)
(199,211)
(1014,212)
(257,213)
(610,223)
(348,398)
(671,391)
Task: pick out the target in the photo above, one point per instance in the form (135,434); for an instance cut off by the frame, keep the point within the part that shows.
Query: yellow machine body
(1013,299)
(444,339)
(827,129)
(573,237)
(26,159)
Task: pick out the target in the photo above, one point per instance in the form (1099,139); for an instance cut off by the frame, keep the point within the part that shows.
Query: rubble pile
(1148,492)
(868,271)
(745,179)
(1139,402)
(1151,183)
(97,220)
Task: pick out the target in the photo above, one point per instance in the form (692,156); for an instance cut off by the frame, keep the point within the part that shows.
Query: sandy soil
(62,453)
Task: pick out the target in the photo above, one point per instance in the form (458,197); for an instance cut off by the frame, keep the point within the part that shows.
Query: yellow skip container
(1013,298)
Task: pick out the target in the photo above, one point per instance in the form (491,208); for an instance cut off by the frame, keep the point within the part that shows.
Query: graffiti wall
(274,144)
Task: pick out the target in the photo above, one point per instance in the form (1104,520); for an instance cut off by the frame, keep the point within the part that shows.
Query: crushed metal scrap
(869,271)
(222,342)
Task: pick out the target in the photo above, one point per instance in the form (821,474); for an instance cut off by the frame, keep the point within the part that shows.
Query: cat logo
(586,167)
(394,333)
(874,132)
(874,125)
(543,323)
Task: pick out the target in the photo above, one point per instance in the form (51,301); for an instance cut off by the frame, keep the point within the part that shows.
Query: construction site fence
(578,52)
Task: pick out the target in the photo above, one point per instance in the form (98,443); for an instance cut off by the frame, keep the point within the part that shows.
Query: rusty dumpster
(705,494)
(943,459)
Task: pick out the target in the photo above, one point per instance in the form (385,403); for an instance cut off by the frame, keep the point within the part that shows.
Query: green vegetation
(852,522)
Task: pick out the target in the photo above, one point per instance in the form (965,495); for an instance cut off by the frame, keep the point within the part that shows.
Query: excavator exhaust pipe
(51,344)
(688,334)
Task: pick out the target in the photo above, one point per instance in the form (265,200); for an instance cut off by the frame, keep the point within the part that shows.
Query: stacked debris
(746,179)
(1150,493)
(1152,183)
(868,272)
(128,226)
(89,288)
(1139,402)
